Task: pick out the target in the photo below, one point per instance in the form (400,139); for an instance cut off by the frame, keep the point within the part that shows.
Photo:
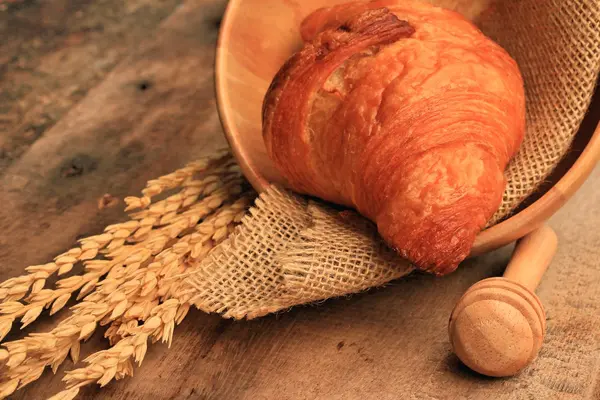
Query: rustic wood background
(97,97)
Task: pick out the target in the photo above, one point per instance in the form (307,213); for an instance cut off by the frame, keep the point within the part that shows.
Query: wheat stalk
(116,362)
(161,239)
(29,356)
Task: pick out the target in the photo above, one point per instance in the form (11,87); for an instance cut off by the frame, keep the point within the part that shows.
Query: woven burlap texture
(292,251)
(557,46)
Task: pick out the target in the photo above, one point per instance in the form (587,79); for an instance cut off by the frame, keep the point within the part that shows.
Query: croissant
(405,112)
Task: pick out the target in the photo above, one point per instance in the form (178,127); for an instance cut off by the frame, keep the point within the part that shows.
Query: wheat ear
(29,356)
(132,287)
(117,362)
(111,242)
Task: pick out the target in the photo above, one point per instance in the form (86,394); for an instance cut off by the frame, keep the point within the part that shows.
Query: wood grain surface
(98,96)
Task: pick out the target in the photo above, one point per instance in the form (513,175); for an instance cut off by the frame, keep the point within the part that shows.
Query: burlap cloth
(290,250)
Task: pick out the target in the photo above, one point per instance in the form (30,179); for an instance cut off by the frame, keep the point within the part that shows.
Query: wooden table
(99,96)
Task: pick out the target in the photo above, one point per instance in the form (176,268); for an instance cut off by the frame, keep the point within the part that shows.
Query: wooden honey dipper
(498,325)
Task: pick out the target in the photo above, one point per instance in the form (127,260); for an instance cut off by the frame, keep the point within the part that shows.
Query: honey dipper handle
(531,257)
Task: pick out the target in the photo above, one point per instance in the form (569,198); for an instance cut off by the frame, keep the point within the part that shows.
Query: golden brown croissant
(405,112)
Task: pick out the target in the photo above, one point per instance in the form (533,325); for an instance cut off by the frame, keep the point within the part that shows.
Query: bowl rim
(494,237)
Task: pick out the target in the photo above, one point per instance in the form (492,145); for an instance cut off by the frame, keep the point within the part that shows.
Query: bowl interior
(257,37)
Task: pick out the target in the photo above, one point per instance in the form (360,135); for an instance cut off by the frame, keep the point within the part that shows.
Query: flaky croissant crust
(407,113)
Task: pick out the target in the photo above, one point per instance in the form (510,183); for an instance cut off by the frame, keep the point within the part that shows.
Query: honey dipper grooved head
(497,327)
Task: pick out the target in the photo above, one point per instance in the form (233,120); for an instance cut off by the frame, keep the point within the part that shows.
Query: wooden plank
(388,343)
(153,113)
(52,53)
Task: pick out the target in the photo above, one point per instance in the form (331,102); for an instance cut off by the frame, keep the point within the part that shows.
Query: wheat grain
(66,394)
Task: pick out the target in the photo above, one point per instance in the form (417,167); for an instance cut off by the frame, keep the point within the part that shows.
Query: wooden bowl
(258,36)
